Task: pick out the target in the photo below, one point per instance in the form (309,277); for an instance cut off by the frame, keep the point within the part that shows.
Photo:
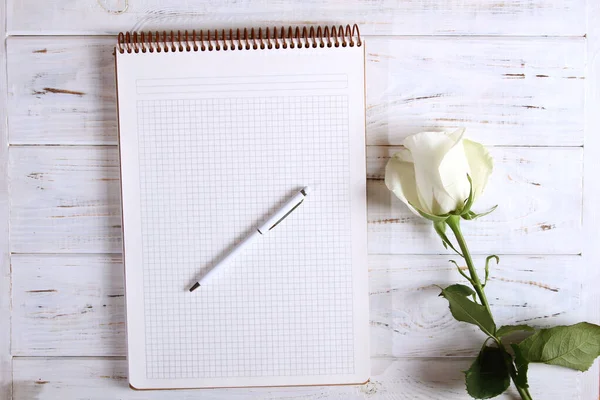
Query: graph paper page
(210,144)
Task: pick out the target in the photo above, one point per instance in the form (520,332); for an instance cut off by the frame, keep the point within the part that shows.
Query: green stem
(454,223)
(523,392)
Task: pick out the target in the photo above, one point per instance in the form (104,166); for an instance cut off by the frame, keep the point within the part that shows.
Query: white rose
(430,174)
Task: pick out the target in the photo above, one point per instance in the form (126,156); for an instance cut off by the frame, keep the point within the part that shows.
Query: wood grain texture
(73,305)
(511,17)
(591,188)
(66,199)
(417,379)
(5,275)
(69,98)
(68,305)
(61,193)
(505,91)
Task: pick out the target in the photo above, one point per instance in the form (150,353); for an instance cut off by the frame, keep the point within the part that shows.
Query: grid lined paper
(210,171)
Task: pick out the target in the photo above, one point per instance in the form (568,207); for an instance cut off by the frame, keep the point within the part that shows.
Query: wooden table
(522,76)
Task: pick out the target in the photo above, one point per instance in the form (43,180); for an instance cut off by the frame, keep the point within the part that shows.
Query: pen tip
(196,286)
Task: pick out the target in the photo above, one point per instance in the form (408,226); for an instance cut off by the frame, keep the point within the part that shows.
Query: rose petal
(454,169)
(400,178)
(480,163)
(429,149)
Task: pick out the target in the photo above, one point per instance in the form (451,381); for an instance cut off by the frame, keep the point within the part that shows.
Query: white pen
(263,229)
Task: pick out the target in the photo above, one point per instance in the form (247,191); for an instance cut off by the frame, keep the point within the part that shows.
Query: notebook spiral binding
(238,39)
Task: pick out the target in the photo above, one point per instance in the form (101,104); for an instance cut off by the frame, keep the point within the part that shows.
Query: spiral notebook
(216,129)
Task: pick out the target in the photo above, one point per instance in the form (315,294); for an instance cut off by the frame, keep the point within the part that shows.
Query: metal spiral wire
(238,39)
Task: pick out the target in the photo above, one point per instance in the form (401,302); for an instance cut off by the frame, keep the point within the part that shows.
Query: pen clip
(285,216)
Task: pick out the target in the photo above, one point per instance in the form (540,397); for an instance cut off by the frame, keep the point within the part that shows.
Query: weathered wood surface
(68,305)
(591,189)
(506,91)
(70,98)
(414,379)
(524,90)
(66,199)
(66,192)
(73,305)
(422,17)
(5,277)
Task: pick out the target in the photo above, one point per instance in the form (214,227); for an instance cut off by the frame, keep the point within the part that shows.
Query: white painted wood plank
(5,278)
(68,305)
(505,91)
(73,305)
(66,199)
(511,17)
(69,97)
(416,379)
(591,187)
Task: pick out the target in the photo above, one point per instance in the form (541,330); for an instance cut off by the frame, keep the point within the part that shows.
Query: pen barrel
(230,256)
(283,210)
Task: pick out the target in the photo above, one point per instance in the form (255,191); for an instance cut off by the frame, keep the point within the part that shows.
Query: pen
(263,229)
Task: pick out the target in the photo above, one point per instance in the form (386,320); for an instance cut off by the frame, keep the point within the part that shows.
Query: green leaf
(440,228)
(461,290)
(506,329)
(431,217)
(471,215)
(574,346)
(469,201)
(489,375)
(522,366)
(460,271)
(487,266)
(465,310)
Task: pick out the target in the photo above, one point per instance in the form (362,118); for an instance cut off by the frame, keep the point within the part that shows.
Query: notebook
(216,130)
